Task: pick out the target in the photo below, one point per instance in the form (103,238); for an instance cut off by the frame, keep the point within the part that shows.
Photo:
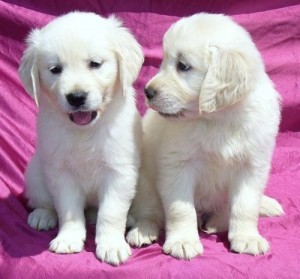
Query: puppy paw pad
(114,252)
(142,234)
(66,245)
(42,219)
(183,249)
(251,244)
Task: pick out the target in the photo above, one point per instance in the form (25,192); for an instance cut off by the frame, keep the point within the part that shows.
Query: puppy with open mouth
(208,140)
(80,68)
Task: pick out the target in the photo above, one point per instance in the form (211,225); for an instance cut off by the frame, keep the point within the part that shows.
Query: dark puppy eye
(56,70)
(183,67)
(94,65)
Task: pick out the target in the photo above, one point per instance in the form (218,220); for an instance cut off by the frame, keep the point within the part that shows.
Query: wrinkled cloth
(275,28)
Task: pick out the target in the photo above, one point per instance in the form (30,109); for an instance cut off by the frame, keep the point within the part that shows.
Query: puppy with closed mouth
(208,140)
(80,68)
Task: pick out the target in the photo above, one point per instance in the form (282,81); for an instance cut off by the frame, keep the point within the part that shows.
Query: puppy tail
(270,207)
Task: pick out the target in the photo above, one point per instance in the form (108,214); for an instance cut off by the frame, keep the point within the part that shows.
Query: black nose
(76,99)
(150,92)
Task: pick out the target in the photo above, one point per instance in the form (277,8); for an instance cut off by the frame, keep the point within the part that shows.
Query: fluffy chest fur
(90,155)
(215,150)
(204,142)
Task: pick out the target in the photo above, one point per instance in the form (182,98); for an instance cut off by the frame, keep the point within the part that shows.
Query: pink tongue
(82,117)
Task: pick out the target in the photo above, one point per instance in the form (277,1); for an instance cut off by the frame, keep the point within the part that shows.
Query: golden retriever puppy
(80,68)
(208,141)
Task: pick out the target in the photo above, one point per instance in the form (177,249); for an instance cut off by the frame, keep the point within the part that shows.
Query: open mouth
(171,115)
(83,117)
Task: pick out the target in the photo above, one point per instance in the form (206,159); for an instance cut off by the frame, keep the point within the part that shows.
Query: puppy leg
(245,203)
(43,217)
(146,212)
(69,204)
(114,204)
(177,194)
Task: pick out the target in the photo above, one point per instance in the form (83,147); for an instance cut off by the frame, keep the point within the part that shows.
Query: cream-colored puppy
(208,144)
(80,69)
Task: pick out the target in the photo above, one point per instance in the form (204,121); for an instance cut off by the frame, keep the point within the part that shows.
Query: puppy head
(78,62)
(209,63)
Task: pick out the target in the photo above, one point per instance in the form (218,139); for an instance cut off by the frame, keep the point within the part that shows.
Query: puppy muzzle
(83,117)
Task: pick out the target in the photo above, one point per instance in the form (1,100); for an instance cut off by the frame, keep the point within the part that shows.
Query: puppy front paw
(143,233)
(253,244)
(113,251)
(67,243)
(183,248)
(42,219)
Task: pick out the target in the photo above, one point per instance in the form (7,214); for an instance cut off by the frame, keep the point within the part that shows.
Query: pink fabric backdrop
(275,27)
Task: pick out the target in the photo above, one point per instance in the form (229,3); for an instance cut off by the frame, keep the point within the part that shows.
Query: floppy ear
(229,78)
(28,68)
(130,56)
